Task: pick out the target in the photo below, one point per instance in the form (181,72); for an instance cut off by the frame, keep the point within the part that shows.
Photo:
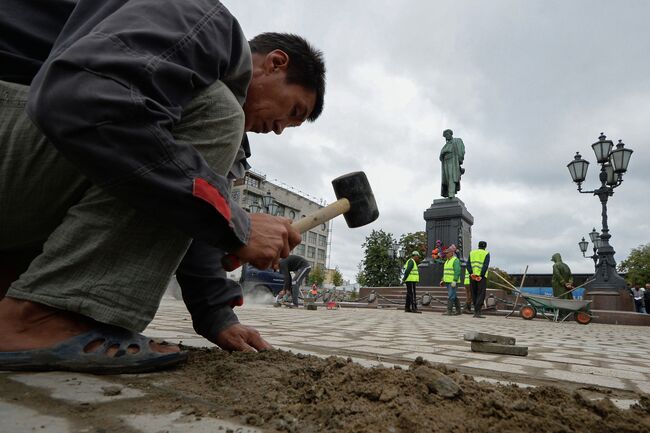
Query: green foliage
(414,242)
(337,277)
(637,265)
(317,276)
(353,295)
(378,269)
(492,278)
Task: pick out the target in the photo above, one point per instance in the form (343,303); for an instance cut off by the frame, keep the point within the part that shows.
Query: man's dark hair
(306,64)
(482,244)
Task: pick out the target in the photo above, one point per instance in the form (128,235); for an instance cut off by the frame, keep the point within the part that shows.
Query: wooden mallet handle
(230,262)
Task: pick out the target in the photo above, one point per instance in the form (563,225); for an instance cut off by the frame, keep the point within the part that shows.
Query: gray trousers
(100,257)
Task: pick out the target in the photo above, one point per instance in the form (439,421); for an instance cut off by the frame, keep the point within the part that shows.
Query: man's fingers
(258,342)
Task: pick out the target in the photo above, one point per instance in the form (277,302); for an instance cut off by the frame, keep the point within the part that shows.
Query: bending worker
(120,121)
(300,267)
(479,261)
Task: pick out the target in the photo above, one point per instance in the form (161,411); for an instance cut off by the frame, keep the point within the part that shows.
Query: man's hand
(271,239)
(453,284)
(241,338)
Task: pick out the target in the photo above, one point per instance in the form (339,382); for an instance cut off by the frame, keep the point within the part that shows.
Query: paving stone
(571,376)
(76,387)
(17,419)
(503,349)
(488,338)
(176,422)
(609,372)
(497,366)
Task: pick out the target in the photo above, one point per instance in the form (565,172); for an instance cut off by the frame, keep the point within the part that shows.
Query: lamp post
(595,239)
(269,204)
(607,284)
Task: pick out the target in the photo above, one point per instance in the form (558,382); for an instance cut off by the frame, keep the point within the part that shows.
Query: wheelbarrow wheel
(582,317)
(527,312)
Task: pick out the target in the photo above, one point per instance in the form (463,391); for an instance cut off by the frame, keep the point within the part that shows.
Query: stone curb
(489,338)
(504,349)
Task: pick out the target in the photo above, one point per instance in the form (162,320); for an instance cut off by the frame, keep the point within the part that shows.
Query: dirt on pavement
(278,391)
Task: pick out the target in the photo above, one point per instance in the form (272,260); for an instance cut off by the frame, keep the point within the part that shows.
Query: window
(235,195)
(292,215)
(323,227)
(322,241)
(300,250)
(313,238)
(321,255)
(251,181)
(311,252)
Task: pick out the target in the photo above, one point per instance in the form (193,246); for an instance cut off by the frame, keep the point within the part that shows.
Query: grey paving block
(488,338)
(77,387)
(502,349)
(177,422)
(15,419)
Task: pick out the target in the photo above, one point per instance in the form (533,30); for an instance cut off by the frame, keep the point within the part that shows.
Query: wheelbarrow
(552,308)
(556,309)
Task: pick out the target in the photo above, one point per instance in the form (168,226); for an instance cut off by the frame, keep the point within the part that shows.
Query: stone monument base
(609,299)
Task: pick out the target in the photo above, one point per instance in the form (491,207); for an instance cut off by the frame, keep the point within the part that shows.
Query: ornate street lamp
(254,208)
(273,208)
(267,200)
(614,162)
(583,244)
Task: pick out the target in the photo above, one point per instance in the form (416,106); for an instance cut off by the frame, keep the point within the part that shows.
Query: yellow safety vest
(466,282)
(476,258)
(449,273)
(414,275)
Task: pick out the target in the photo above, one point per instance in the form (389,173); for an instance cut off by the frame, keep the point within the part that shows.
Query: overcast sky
(525,84)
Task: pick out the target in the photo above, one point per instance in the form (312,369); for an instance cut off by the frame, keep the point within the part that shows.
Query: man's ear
(276,60)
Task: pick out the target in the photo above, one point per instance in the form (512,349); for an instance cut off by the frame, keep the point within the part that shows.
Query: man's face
(272,104)
(447,135)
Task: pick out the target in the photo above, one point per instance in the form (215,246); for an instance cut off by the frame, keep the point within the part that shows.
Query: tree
(337,277)
(317,276)
(492,278)
(378,269)
(414,242)
(637,265)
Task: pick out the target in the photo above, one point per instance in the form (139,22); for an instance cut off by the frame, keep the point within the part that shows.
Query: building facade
(250,193)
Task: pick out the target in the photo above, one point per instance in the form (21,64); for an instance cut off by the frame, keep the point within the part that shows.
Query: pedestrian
(300,268)
(479,261)
(411,278)
(646,298)
(638,293)
(450,279)
(119,186)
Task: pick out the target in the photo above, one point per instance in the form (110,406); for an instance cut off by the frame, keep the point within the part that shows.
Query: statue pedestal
(608,299)
(449,221)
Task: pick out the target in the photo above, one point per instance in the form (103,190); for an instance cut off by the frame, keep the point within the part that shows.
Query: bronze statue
(562,280)
(451,157)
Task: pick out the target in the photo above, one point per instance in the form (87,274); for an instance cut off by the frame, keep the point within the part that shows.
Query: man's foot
(27,325)
(407,310)
(416,311)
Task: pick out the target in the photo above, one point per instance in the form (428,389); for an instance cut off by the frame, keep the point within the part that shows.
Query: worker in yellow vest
(451,279)
(411,278)
(479,261)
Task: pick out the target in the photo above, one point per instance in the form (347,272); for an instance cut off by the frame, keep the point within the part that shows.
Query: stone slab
(488,338)
(15,418)
(502,349)
(77,387)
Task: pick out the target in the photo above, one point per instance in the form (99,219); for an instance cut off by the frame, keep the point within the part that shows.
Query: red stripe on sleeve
(237,302)
(203,190)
